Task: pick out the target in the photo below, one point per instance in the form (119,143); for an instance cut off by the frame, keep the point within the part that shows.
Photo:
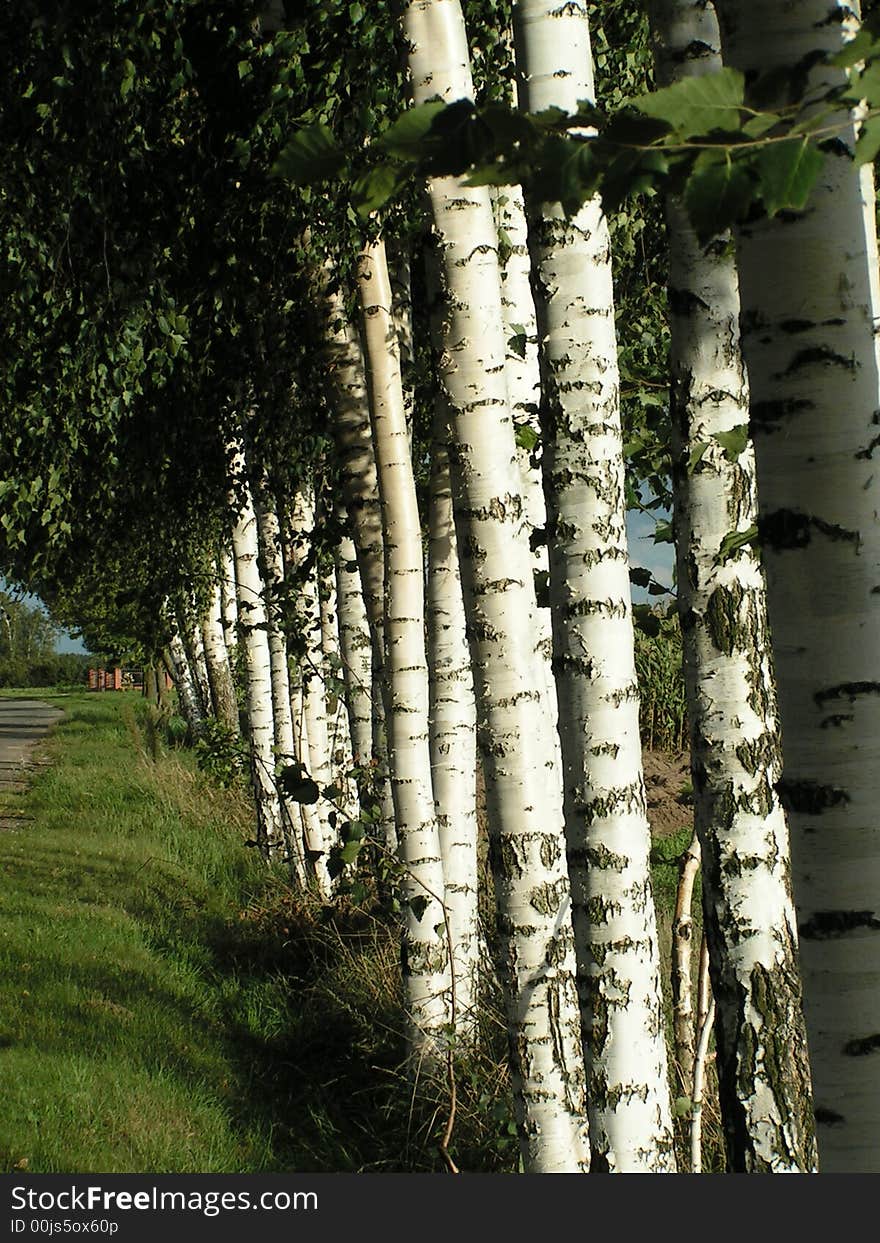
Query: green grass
(168,1005)
(165,1004)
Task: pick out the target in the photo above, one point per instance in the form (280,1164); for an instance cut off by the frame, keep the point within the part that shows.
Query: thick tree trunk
(425,943)
(516,738)
(606,824)
(766,1102)
(809,312)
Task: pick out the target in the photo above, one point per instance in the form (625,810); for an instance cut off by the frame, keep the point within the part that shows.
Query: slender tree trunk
(606,823)
(282,718)
(355,651)
(351,432)
(524,812)
(425,945)
(453,741)
(766,1102)
(187,692)
(258,665)
(229,606)
(313,753)
(682,956)
(217,663)
(339,744)
(809,315)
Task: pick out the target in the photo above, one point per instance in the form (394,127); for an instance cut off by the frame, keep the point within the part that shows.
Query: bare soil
(668,785)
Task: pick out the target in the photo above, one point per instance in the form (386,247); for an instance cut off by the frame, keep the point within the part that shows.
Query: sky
(66,642)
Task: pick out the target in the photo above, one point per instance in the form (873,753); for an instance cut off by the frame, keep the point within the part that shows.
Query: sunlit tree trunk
(425,945)
(453,740)
(750,920)
(606,823)
(809,318)
(258,666)
(524,811)
(355,650)
(217,663)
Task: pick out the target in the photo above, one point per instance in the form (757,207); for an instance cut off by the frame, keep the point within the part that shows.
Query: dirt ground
(667,784)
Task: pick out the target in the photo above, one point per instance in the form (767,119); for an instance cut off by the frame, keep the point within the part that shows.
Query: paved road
(23,722)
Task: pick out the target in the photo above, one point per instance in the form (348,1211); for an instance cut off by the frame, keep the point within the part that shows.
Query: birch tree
(516,741)
(809,315)
(605,818)
(763,1070)
(426,944)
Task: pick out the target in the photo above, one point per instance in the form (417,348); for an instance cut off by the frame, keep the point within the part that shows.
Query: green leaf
(697,105)
(405,136)
(696,456)
(526,437)
(419,905)
(128,76)
(717,195)
(735,540)
(374,188)
(639,576)
(787,172)
(868,144)
(298,785)
(311,156)
(733,442)
(663,533)
(646,620)
(862,47)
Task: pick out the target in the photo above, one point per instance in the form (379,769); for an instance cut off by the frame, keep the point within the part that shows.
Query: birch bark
(258,665)
(809,316)
(606,824)
(425,944)
(217,663)
(525,816)
(352,435)
(355,651)
(453,741)
(763,1070)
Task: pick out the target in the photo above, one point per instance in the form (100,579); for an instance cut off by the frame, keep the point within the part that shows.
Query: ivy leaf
(787,172)
(733,442)
(310,156)
(717,195)
(697,105)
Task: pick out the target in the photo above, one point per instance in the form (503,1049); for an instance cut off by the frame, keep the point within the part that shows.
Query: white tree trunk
(339,744)
(314,753)
(809,323)
(217,663)
(229,609)
(425,944)
(525,816)
(282,717)
(351,432)
(453,741)
(606,824)
(766,1104)
(187,692)
(355,651)
(258,666)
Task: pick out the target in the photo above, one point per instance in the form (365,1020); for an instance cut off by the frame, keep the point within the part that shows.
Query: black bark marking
(824,925)
(768,416)
(863,1046)
(789,528)
(819,354)
(846,690)
(810,797)
(827,1117)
